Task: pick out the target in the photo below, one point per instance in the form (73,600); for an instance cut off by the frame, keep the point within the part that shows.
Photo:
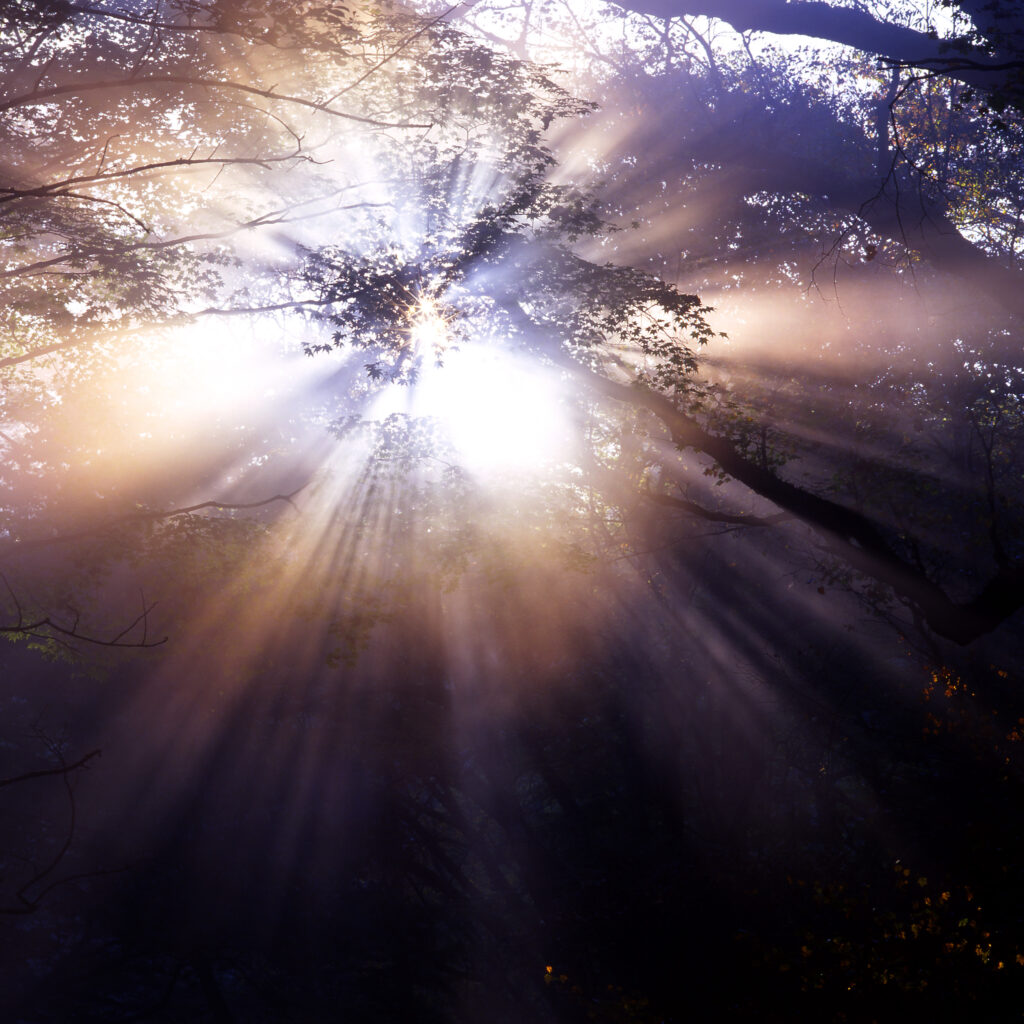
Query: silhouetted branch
(180,320)
(28,902)
(691,508)
(53,189)
(849,535)
(398,49)
(46,772)
(135,517)
(46,628)
(848,26)
(40,96)
(136,19)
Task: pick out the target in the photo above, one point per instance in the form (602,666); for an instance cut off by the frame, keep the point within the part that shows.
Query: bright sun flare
(501,412)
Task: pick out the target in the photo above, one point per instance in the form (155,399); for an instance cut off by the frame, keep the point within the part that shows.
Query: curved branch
(44,772)
(138,517)
(45,628)
(39,628)
(692,508)
(849,535)
(57,188)
(185,318)
(40,96)
(845,25)
(906,215)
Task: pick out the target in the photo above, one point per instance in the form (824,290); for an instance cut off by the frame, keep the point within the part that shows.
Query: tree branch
(44,628)
(136,517)
(691,508)
(40,96)
(845,25)
(46,772)
(847,534)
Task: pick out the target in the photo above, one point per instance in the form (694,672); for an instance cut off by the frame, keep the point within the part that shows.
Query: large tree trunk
(858,29)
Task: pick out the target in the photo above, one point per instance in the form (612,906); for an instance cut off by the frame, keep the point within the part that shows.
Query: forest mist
(510,513)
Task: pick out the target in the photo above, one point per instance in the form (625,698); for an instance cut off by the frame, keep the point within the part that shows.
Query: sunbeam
(475,624)
(502,413)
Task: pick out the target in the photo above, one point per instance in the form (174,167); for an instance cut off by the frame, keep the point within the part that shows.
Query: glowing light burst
(502,412)
(429,333)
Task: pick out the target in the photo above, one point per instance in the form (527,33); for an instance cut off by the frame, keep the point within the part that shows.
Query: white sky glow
(499,411)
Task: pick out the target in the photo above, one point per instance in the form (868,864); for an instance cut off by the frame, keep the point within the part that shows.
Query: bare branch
(46,629)
(40,96)
(57,188)
(28,903)
(691,508)
(847,534)
(38,629)
(398,49)
(137,517)
(46,772)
